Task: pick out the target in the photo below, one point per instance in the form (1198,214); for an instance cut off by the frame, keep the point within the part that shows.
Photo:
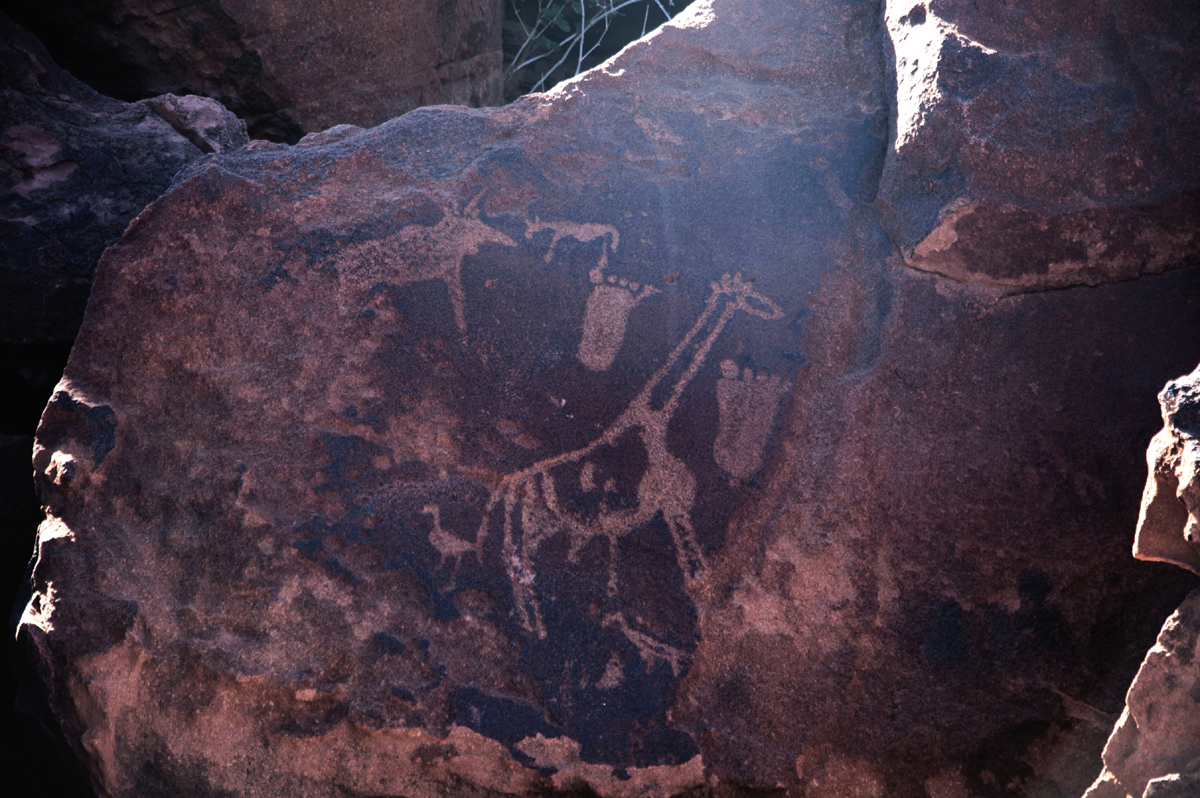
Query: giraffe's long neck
(696,346)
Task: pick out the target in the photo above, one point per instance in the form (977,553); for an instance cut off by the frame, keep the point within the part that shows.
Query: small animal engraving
(447,544)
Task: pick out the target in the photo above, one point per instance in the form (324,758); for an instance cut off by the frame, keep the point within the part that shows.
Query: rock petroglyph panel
(591,492)
(398,480)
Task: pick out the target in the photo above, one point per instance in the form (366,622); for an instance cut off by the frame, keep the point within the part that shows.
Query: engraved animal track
(625,478)
(604,320)
(608,306)
(746,407)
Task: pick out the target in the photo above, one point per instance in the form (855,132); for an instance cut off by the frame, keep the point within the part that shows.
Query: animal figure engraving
(426,252)
(620,481)
(611,300)
(746,407)
(582,232)
(447,544)
(438,251)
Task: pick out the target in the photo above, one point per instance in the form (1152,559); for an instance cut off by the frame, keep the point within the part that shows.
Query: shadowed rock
(285,66)
(78,167)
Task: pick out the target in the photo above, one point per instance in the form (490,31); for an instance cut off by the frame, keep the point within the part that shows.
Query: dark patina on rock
(285,66)
(603,442)
(76,168)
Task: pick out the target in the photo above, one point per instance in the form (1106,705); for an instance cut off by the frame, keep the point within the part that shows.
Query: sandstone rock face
(285,66)
(77,167)
(1154,751)
(1169,524)
(605,442)
(1017,117)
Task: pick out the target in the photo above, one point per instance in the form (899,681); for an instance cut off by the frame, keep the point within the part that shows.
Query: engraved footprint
(746,407)
(605,317)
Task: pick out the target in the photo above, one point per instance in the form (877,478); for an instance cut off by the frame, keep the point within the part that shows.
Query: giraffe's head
(742,294)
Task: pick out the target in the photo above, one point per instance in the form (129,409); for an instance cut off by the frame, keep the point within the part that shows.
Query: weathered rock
(602,441)
(285,66)
(204,122)
(1169,523)
(1154,751)
(77,167)
(1029,147)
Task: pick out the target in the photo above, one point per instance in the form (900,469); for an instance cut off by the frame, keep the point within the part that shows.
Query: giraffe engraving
(623,479)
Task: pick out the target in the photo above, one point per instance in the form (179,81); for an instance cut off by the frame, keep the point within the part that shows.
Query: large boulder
(285,66)
(1154,749)
(603,442)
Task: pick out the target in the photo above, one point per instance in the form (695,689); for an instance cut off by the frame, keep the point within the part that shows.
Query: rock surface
(1154,751)
(606,442)
(77,167)
(1169,523)
(287,67)
(1048,117)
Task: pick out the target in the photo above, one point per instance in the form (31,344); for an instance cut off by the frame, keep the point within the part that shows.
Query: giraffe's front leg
(518,548)
(687,549)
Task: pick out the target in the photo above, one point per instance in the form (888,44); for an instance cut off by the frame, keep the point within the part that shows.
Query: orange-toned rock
(1154,749)
(603,442)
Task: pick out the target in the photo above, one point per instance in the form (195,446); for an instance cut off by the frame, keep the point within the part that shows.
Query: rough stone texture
(285,66)
(1154,750)
(602,442)
(1169,523)
(204,122)
(1013,117)
(75,168)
